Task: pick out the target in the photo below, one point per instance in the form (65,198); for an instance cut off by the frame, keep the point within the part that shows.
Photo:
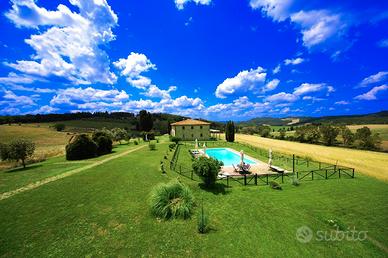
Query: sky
(212,59)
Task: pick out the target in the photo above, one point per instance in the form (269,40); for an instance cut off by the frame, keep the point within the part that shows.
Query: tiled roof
(191,122)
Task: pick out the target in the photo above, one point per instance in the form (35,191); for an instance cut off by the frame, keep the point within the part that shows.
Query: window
(192,136)
(183,128)
(200,127)
(192,127)
(201,135)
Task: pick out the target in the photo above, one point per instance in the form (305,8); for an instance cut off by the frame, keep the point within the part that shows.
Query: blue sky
(215,59)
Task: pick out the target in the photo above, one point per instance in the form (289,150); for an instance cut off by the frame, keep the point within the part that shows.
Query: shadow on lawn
(216,189)
(21,169)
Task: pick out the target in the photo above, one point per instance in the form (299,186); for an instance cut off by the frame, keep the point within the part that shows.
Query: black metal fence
(302,168)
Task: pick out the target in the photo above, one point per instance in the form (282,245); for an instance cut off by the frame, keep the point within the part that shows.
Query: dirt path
(63,175)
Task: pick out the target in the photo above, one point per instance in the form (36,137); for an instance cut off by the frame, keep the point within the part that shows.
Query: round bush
(104,142)
(81,147)
(207,169)
(171,200)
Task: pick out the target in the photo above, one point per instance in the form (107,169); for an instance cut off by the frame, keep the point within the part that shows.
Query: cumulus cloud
(276,69)
(10,99)
(271,85)
(372,94)
(318,26)
(278,10)
(294,61)
(132,66)
(75,96)
(383,43)
(374,78)
(154,92)
(44,110)
(71,45)
(342,102)
(305,88)
(244,81)
(180,4)
(282,96)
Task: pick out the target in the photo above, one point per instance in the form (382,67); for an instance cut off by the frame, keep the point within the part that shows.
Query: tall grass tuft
(172,200)
(202,221)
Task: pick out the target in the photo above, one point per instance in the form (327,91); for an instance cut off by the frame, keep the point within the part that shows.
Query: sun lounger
(277,169)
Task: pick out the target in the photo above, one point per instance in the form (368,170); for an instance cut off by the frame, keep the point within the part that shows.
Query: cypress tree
(229,131)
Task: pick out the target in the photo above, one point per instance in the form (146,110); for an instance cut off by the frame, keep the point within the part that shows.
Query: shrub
(59,127)
(175,139)
(119,134)
(18,150)
(295,181)
(103,141)
(152,146)
(207,169)
(171,146)
(171,200)
(202,221)
(136,142)
(275,185)
(81,147)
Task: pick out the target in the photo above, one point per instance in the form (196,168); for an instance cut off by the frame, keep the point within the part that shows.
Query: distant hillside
(373,118)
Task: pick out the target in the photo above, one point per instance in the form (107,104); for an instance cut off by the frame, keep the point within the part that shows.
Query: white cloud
(375,78)
(154,92)
(74,96)
(271,85)
(282,96)
(342,102)
(278,10)
(294,61)
(244,81)
(44,110)
(180,4)
(318,26)
(12,100)
(305,88)
(134,65)
(383,43)
(10,111)
(276,69)
(372,94)
(70,47)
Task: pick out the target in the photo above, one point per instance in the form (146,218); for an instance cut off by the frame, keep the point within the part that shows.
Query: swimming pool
(227,156)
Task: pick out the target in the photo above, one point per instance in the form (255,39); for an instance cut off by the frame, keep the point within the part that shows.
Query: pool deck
(260,168)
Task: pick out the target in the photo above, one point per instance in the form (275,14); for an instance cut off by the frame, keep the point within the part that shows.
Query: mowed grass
(48,141)
(13,179)
(368,162)
(103,212)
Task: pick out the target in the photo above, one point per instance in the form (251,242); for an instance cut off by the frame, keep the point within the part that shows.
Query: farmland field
(368,162)
(48,141)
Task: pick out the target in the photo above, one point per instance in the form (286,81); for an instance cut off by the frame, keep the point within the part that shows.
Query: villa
(191,129)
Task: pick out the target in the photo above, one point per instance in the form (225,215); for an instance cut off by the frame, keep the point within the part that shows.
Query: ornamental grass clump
(172,200)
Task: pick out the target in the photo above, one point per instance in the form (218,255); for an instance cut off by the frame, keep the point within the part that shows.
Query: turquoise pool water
(227,156)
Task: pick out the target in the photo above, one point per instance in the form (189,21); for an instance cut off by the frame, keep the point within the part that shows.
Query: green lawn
(103,212)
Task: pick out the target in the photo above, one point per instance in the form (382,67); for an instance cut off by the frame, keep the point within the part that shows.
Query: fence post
(191,174)
(353,173)
(339,173)
(255,179)
(227,181)
(293,163)
(245,179)
(326,173)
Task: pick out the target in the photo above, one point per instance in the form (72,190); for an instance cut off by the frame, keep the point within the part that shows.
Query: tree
(347,136)
(264,131)
(282,134)
(175,139)
(145,121)
(81,147)
(119,134)
(103,141)
(229,131)
(4,151)
(365,138)
(329,134)
(59,127)
(19,150)
(207,169)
